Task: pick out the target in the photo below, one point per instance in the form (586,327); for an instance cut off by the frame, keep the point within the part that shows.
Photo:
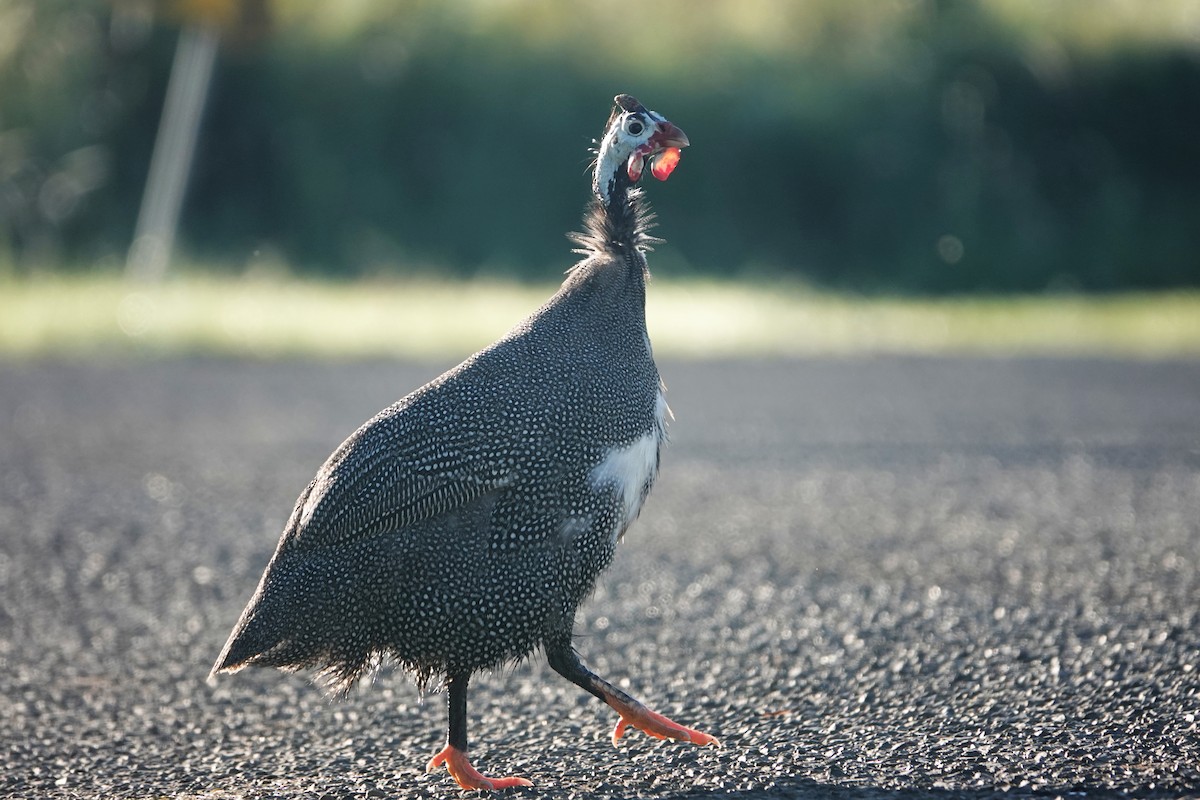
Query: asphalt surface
(871,578)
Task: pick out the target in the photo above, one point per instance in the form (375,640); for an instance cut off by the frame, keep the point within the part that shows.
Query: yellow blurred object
(215,13)
(207,12)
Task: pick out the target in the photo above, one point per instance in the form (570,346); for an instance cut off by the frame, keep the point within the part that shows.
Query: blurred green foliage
(922,146)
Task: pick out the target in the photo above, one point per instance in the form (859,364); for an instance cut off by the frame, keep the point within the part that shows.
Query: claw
(466,776)
(619,731)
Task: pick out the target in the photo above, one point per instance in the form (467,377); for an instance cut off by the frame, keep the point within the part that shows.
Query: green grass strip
(83,316)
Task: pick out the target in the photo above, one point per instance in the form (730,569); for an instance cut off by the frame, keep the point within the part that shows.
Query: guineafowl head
(633,136)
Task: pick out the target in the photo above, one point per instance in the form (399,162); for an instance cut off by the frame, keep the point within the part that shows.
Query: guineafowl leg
(565,661)
(454,754)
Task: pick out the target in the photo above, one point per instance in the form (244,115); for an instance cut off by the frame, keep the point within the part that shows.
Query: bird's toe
(657,726)
(466,776)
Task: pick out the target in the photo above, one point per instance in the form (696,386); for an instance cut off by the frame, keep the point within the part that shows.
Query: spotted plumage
(461,527)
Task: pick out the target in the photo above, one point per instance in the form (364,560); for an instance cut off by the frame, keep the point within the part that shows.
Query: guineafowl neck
(624,217)
(612,278)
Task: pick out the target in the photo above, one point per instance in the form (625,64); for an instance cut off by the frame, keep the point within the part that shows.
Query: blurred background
(923,147)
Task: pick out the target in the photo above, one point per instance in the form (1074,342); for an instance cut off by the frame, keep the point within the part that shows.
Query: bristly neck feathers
(618,218)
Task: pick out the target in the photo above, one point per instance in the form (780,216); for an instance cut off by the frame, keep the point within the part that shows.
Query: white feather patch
(631,469)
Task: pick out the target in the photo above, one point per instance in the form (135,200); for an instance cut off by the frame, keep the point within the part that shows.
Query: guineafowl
(460,528)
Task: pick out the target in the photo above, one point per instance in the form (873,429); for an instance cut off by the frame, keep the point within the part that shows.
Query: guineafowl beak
(666,143)
(669,135)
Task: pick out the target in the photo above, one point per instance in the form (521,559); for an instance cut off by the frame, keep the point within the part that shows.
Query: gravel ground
(871,578)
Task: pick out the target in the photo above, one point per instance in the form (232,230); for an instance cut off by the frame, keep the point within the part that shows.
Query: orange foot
(467,776)
(656,725)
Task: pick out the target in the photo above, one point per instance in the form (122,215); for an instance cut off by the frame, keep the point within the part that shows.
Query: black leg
(456,711)
(565,661)
(454,755)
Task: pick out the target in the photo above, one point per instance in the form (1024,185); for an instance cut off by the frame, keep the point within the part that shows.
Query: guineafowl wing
(408,464)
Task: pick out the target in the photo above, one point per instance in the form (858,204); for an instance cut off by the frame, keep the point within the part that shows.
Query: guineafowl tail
(297,619)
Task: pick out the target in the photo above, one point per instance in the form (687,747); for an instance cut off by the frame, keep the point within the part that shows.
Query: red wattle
(634,166)
(665,163)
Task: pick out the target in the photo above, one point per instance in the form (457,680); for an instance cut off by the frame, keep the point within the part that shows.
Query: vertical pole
(154,237)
